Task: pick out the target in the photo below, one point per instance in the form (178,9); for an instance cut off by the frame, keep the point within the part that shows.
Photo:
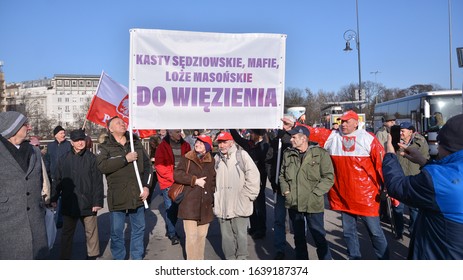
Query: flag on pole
(111,99)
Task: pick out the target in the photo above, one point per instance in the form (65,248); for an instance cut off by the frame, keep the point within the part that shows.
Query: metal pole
(358,52)
(450,42)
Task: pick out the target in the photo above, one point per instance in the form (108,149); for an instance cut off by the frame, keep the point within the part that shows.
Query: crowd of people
(225,176)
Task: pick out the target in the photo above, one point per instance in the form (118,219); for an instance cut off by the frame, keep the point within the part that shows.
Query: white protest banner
(189,80)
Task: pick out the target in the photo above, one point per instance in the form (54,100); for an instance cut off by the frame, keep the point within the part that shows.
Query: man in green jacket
(306,175)
(116,161)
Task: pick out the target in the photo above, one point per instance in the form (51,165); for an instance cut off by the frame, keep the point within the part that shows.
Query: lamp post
(350,35)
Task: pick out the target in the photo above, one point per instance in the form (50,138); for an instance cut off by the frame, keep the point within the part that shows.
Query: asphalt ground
(158,246)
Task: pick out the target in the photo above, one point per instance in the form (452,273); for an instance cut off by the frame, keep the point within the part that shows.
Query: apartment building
(63,99)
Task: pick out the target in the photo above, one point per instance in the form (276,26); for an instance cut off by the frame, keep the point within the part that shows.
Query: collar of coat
(191,155)
(113,140)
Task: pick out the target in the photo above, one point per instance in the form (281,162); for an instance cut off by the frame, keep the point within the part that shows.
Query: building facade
(61,100)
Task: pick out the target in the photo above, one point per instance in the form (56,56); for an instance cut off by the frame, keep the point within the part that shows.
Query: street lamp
(350,35)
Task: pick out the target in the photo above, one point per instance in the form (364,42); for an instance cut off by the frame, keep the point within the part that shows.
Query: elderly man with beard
(236,189)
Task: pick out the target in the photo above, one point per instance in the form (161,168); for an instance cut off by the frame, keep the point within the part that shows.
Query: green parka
(123,189)
(418,142)
(307,180)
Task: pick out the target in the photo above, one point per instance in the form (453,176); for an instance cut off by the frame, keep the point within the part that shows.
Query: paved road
(158,247)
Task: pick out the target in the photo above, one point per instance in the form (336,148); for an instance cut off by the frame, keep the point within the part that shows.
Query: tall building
(61,100)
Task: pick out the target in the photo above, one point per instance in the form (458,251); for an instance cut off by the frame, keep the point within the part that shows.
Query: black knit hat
(57,129)
(451,134)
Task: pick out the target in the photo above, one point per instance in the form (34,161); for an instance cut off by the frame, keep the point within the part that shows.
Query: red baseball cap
(224,136)
(205,139)
(349,115)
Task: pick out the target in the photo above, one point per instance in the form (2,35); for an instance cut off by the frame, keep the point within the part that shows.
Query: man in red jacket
(168,155)
(357,157)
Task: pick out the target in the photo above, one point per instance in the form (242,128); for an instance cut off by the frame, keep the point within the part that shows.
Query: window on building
(66,83)
(60,99)
(67,109)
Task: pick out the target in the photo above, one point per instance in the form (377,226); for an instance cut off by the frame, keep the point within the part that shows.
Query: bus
(427,111)
(296,112)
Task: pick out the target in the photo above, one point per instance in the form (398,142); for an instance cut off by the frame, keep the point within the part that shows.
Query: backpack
(239,159)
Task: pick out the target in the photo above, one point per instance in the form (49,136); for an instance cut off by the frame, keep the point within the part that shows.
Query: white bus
(427,111)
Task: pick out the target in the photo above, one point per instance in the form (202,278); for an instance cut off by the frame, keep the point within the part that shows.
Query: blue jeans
(413,214)
(349,226)
(315,223)
(171,214)
(279,224)
(398,213)
(137,224)
(399,218)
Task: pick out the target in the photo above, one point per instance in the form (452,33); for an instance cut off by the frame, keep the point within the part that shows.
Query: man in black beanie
(55,150)
(437,192)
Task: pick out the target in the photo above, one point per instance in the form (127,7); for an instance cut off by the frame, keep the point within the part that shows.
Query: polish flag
(112,99)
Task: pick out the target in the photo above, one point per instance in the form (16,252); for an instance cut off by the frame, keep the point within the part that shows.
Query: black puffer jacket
(123,190)
(79,182)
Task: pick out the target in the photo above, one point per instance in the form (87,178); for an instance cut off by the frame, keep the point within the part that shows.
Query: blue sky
(407,41)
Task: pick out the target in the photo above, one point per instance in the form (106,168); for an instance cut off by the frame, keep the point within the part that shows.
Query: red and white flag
(111,99)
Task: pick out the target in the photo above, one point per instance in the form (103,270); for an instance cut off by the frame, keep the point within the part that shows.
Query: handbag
(175,192)
(50,226)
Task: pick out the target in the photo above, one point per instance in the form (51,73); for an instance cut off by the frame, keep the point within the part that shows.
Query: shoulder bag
(175,192)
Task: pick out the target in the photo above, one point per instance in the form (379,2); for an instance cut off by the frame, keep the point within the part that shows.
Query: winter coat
(23,234)
(257,151)
(306,181)
(79,182)
(123,188)
(410,168)
(438,194)
(197,202)
(381,134)
(271,159)
(235,189)
(55,151)
(165,161)
(357,159)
